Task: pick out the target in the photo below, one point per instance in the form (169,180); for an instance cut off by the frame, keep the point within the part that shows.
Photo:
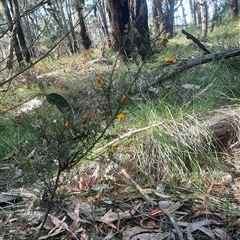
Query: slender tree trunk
(103,19)
(203,10)
(158,16)
(192,13)
(215,15)
(72,30)
(155,15)
(14,44)
(238,7)
(65,28)
(184,15)
(83,30)
(197,13)
(234,7)
(20,33)
(170,17)
(28,35)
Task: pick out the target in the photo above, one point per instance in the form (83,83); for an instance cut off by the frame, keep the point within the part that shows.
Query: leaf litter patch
(94,208)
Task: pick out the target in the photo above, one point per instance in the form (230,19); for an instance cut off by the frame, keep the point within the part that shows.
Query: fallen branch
(195,40)
(126,135)
(172,70)
(147,198)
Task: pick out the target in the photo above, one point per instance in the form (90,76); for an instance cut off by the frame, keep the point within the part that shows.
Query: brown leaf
(221,234)
(72,229)
(208,232)
(148,224)
(82,183)
(94,176)
(49,224)
(111,216)
(210,188)
(237,197)
(236,223)
(155,212)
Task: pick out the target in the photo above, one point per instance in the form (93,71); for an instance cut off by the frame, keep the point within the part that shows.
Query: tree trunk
(72,30)
(129,24)
(157,16)
(169,17)
(184,15)
(234,7)
(119,19)
(192,13)
(215,15)
(139,31)
(83,30)
(21,37)
(197,12)
(14,44)
(203,11)
(103,20)
(65,28)
(28,35)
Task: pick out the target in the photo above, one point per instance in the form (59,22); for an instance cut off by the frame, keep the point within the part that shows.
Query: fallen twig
(126,135)
(146,197)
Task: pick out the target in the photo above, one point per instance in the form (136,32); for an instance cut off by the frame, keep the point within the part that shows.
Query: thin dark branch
(190,36)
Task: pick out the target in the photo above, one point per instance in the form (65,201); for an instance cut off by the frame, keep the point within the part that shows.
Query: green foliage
(13,134)
(60,102)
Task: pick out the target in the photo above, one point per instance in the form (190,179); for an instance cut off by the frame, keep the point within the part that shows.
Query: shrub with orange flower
(100,79)
(170,60)
(120,117)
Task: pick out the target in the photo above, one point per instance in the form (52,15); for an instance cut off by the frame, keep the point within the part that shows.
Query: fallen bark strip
(180,67)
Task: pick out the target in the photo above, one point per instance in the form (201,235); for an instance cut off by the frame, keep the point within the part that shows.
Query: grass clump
(176,144)
(13,135)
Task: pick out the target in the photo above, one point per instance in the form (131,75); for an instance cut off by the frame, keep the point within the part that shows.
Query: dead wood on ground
(173,70)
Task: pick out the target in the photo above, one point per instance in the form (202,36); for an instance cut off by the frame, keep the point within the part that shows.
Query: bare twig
(200,45)
(126,135)
(147,198)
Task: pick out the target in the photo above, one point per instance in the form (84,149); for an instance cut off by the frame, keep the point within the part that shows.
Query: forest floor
(167,167)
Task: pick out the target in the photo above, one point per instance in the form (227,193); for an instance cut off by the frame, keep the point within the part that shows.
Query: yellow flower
(120,117)
(99,197)
(170,60)
(128,150)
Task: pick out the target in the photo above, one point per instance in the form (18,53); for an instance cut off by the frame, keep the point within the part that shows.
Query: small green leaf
(60,102)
